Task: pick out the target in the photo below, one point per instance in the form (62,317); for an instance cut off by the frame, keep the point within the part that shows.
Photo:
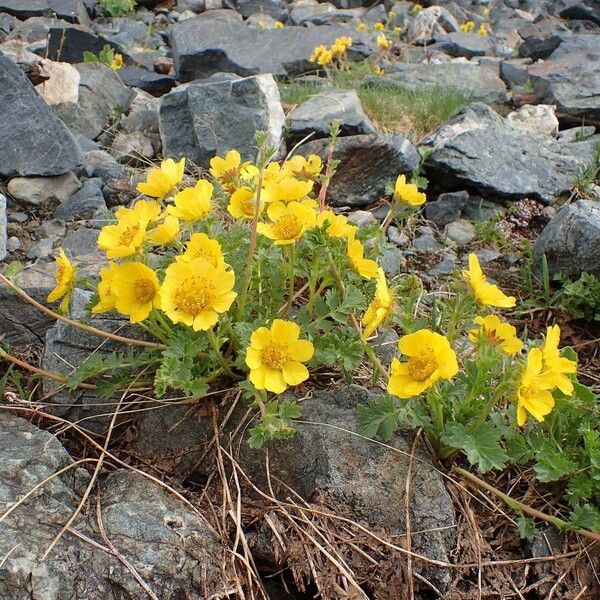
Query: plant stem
(437,415)
(487,409)
(215,346)
(389,217)
(292,277)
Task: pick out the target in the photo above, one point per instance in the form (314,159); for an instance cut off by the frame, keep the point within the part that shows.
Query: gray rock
(149,81)
(468,45)
(576,134)
(71,10)
(362,218)
(33,141)
(173,549)
(53,228)
(427,243)
(514,72)
(196,120)
(542,38)
(84,203)
(201,48)
(42,249)
(316,114)
(486,255)
(478,149)
(367,164)
(570,240)
(3,228)
(38,190)
(581,10)
(431,23)
(99,163)
(446,208)
(13,244)
(67,43)
(446,266)
(274,8)
(392,261)
(132,148)
(397,237)
(479,209)
(461,232)
(475,82)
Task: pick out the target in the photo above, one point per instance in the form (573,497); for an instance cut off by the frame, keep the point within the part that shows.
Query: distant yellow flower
(159,182)
(166,232)
(383,42)
(289,222)
(486,11)
(340,46)
(230,169)
(192,204)
(391,14)
(195,293)
(278,25)
(65,281)
(379,71)
(380,308)
(534,393)
(398,30)
(408,193)
(486,293)
(275,357)
(117,62)
(201,246)
(135,290)
(467,26)
(362,27)
(242,203)
(417,8)
(106,298)
(325,58)
(262,25)
(146,211)
(379,27)
(304,168)
(497,333)
(337,225)
(317,52)
(430,358)
(556,366)
(365,267)
(482,30)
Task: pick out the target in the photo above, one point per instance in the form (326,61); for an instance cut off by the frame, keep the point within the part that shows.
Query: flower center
(60,273)
(194,295)
(144,290)
(128,234)
(275,356)
(288,227)
(421,367)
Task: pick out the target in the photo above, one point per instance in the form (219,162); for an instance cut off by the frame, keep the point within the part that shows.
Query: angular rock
(316,115)
(576,134)
(70,10)
(461,232)
(431,23)
(540,118)
(132,147)
(367,164)
(588,10)
(478,149)
(468,45)
(274,8)
(201,48)
(514,72)
(3,230)
(62,84)
(570,240)
(200,120)
(542,38)
(69,42)
(37,190)
(149,81)
(84,204)
(446,208)
(33,141)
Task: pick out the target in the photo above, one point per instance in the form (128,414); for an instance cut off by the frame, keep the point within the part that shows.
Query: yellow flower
(555,365)
(380,308)
(117,62)
(417,8)
(379,27)
(191,204)
(325,58)
(391,14)
(166,232)
(195,293)
(408,193)
(278,25)
(486,10)
(65,281)
(275,357)
(135,290)
(159,182)
(143,210)
(379,71)
(482,30)
(303,168)
(316,53)
(340,45)
(288,189)
(242,203)
(383,42)
(107,299)
(485,293)
(289,222)
(534,395)
(398,30)
(365,267)
(497,333)
(229,169)
(362,27)
(430,358)
(467,26)
(201,246)
(337,225)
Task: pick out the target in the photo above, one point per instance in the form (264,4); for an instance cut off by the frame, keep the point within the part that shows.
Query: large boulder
(480,150)
(70,10)
(571,240)
(431,23)
(200,120)
(33,141)
(204,47)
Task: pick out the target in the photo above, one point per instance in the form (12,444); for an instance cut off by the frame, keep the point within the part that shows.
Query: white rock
(429,23)
(539,118)
(63,85)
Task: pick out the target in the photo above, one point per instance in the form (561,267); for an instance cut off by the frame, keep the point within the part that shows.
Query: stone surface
(570,240)
(540,118)
(132,147)
(33,141)
(67,43)
(149,81)
(542,38)
(3,231)
(273,8)
(466,44)
(202,48)
(461,232)
(478,149)
(200,120)
(446,208)
(316,114)
(62,84)
(37,190)
(431,23)
(71,10)
(367,164)
(84,203)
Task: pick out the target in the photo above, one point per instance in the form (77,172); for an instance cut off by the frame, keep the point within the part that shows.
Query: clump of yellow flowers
(325,56)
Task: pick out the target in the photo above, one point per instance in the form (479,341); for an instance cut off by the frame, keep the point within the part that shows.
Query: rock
(70,10)
(201,48)
(475,82)
(362,218)
(466,44)
(397,237)
(173,550)
(3,229)
(514,72)
(429,24)
(34,66)
(461,232)
(392,261)
(84,203)
(102,97)
(67,43)
(99,163)
(13,244)
(446,208)
(42,249)
(576,134)
(570,240)
(56,228)
(486,255)
(447,266)
(132,147)
(540,118)
(62,84)
(479,209)
(478,149)
(305,12)
(426,243)
(200,120)
(149,81)
(367,164)
(316,114)
(33,141)
(274,8)
(542,38)
(38,190)
(582,10)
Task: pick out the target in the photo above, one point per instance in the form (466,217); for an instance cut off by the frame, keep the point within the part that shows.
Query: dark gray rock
(67,43)
(570,240)
(70,10)
(200,120)
(475,82)
(274,8)
(149,81)
(367,164)
(446,208)
(201,48)
(33,141)
(466,44)
(479,150)
(99,163)
(542,38)
(132,148)
(515,72)
(84,203)
(3,230)
(588,10)
(461,232)
(316,115)
(36,191)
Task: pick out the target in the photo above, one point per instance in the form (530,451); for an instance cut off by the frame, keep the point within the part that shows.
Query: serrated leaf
(526,528)
(481,446)
(586,517)
(553,465)
(380,417)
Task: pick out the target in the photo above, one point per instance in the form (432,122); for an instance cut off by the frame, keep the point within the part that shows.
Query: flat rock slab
(468,45)
(479,150)
(70,10)
(201,48)
(33,140)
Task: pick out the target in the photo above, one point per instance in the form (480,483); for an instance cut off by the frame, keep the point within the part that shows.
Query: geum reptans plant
(247,277)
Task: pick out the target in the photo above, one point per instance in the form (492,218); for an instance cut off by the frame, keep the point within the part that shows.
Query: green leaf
(89,57)
(13,269)
(553,465)
(380,417)
(276,423)
(481,446)
(526,528)
(586,517)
